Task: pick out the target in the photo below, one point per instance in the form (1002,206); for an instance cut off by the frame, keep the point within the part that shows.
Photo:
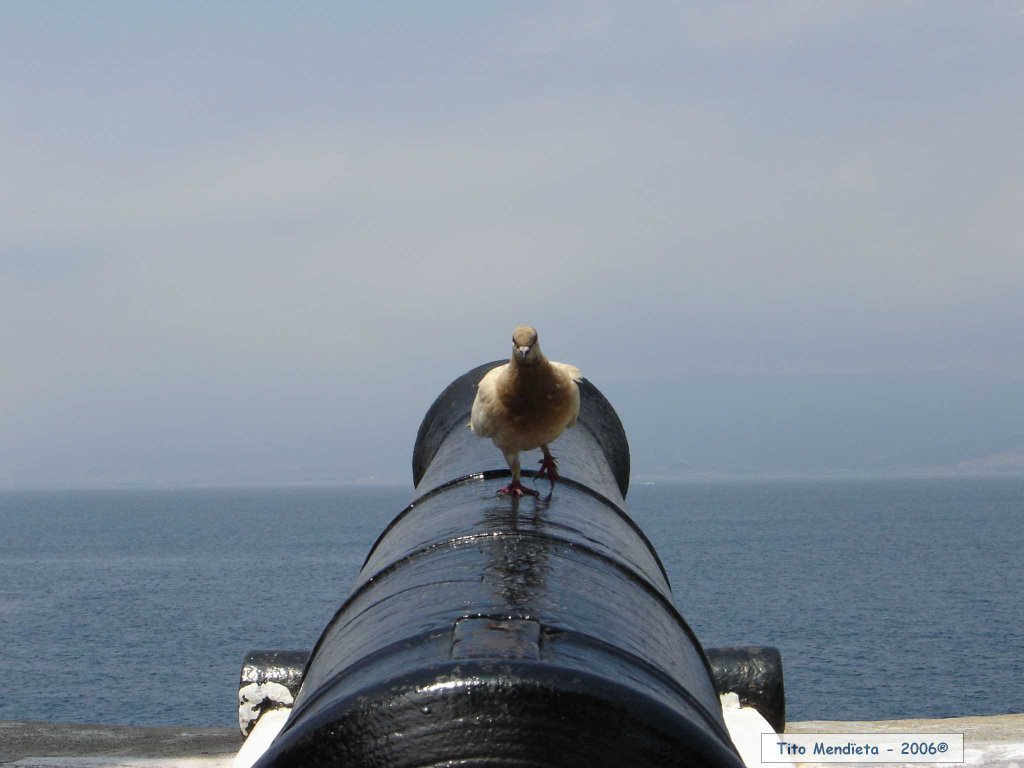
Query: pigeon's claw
(517,489)
(549,468)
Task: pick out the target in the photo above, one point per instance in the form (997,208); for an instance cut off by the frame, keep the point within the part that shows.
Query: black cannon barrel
(485,630)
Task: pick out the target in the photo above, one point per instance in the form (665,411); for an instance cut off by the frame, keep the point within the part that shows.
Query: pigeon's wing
(569,370)
(481,419)
(575,377)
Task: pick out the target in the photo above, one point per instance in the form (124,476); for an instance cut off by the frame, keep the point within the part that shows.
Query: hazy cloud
(238,241)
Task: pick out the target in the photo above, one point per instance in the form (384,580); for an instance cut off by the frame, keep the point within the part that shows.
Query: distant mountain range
(882,423)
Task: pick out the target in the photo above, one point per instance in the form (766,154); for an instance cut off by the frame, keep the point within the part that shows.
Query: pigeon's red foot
(517,489)
(548,468)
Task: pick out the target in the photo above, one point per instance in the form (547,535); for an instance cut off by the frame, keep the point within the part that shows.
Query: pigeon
(526,404)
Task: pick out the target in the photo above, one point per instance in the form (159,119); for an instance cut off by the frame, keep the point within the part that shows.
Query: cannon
(493,631)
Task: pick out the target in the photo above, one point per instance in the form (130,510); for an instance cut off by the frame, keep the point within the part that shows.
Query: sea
(888,598)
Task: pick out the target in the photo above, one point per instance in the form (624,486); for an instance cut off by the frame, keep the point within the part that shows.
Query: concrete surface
(990,742)
(70,745)
(995,741)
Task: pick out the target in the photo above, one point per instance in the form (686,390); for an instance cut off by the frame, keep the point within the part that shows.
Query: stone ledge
(990,741)
(21,741)
(995,741)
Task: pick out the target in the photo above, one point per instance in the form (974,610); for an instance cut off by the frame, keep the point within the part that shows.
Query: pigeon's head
(525,349)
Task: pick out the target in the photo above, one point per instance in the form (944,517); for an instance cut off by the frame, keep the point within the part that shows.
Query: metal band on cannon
(495,631)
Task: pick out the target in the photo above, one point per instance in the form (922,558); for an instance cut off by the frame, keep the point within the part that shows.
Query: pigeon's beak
(522,352)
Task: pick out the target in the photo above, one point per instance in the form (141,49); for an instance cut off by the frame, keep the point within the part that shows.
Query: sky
(251,242)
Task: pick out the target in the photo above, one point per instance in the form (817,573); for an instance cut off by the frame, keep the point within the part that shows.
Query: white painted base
(263,733)
(745,726)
